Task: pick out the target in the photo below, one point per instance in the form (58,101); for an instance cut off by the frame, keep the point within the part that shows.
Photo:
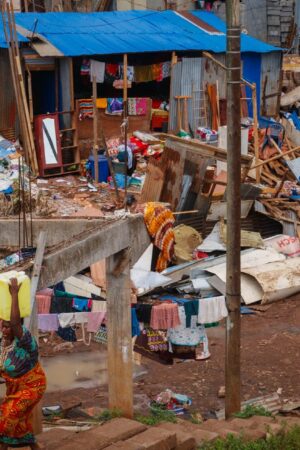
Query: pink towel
(94,321)
(164,316)
(43,303)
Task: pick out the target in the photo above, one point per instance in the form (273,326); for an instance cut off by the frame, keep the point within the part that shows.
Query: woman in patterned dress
(24,377)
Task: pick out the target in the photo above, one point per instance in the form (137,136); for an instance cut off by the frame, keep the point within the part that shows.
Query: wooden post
(119,345)
(95,130)
(233,247)
(125,97)
(255,130)
(72,102)
(29,85)
(37,421)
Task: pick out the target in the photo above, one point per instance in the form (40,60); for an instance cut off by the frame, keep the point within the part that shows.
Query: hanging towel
(95,319)
(212,309)
(143,74)
(137,106)
(97,69)
(99,306)
(157,72)
(114,106)
(135,327)
(85,67)
(164,316)
(85,109)
(43,303)
(81,317)
(166,69)
(80,305)
(48,322)
(130,72)
(66,320)
(181,335)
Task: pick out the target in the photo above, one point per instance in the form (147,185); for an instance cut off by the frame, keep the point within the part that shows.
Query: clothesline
(110,73)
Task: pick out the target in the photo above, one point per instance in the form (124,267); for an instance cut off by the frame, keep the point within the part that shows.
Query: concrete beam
(82,251)
(58,230)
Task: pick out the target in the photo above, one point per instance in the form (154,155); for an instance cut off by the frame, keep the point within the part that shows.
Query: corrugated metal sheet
(248,43)
(175,90)
(117,32)
(270,68)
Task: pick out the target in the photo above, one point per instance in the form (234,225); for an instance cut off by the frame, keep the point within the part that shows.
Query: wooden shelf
(68,147)
(66,129)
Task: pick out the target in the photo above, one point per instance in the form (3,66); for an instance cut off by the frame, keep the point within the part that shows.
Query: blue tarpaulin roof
(117,32)
(3,43)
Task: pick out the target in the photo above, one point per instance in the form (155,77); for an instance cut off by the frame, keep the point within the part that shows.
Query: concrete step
(185,441)
(154,439)
(221,427)
(197,432)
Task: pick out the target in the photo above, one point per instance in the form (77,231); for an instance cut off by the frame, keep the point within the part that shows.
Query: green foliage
(251,410)
(283,441)
(109,414)
(154,418)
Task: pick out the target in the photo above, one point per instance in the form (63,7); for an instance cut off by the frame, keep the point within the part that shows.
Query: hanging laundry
(99,306)
(212,309)
(67,334)
(43,303)
(81,317)
(80,305)
(97,70)
(119,84)
(166,69)
(191,308)
(135,327)
(157,72)
(111,72)
(114,106)
(48,322)
(101,335)
(101,103)
(66,320)
(94,321)
(61,305)
(159,221)
(143,312)
(85,67)
(137,106)
(85,109)
(164,316)
(181,335)
(130,72)
(143,74)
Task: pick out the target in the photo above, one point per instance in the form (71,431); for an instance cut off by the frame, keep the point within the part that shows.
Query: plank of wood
(153,184)
(39,256)
(119,341)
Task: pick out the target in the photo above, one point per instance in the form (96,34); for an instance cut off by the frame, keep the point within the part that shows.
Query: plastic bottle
(23,295)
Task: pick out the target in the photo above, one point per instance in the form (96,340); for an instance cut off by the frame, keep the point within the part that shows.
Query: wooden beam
(255,131)
(119,343)
(274,158)
(89,247)
(95,130)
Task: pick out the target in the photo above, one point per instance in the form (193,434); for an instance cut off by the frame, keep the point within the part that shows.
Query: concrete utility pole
(233,262)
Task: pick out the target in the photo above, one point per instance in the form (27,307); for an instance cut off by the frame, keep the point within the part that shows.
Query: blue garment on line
(80,305)
(135,327)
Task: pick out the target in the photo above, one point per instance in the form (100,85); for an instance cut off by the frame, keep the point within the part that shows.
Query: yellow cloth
(187,240)
(101,103)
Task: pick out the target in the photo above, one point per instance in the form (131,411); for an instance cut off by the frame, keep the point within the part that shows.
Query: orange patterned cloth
(159,221)
(22,394)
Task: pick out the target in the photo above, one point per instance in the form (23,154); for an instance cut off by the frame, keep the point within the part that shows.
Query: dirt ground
(270,354)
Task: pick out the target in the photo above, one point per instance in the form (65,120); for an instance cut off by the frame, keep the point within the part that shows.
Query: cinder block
(155,439)
(185,441)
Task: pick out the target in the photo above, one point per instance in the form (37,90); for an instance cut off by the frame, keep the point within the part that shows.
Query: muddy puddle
(77,370)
